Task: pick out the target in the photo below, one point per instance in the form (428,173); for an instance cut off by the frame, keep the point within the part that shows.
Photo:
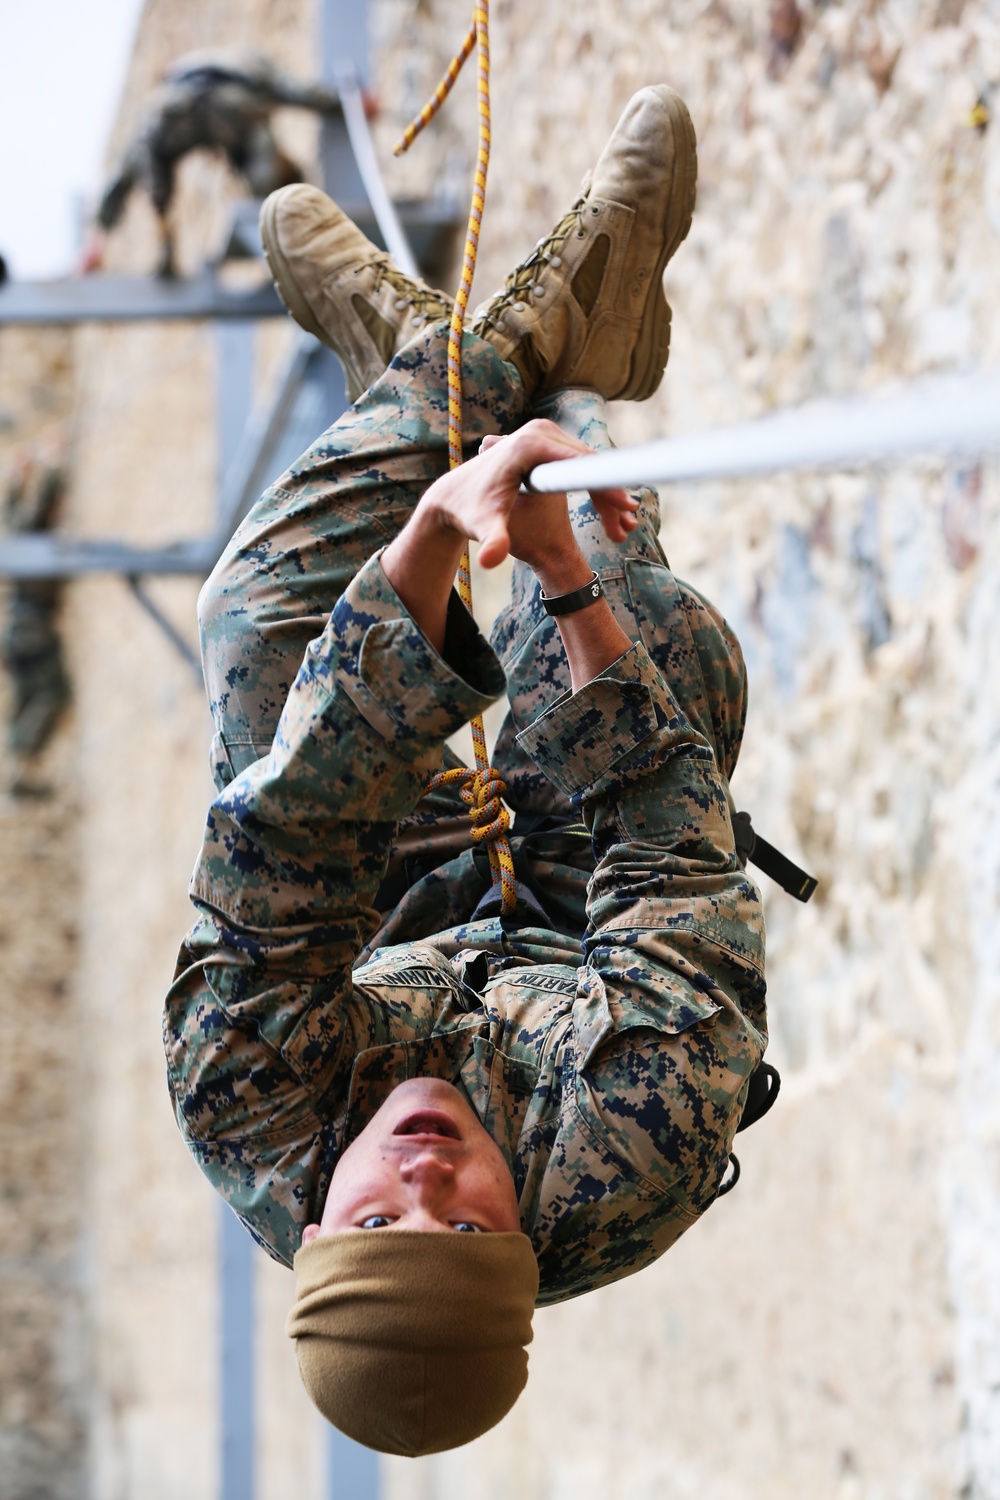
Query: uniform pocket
(644,995)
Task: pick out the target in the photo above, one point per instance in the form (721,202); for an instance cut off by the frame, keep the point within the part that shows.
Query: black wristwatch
(566,604)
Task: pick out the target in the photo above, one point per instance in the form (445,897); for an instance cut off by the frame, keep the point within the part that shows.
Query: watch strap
(567,604)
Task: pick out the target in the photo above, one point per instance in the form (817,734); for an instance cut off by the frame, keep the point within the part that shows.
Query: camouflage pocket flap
(645,997)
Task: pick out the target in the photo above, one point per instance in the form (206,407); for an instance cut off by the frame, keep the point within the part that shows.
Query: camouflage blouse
(604,1035)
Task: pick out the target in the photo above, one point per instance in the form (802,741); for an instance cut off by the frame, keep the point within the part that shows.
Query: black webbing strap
(750,846)
(732,1177)
(763,1085)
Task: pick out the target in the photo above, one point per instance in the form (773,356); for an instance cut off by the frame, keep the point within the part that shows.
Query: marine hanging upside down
(219,101)
(442,1115)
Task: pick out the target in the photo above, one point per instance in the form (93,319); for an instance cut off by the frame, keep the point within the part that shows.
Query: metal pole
(343,40)
(237,1477)
(363,147)
(952,414)
(343,48)
(251,464)
(237,1393)
(173,635)
(352,1471)
(234,345)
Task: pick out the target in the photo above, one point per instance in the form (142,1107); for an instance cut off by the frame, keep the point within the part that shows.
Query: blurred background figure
(30,646)
(215,101)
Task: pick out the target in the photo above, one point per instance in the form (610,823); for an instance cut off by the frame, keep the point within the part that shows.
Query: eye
(464,1227)
(375,1221)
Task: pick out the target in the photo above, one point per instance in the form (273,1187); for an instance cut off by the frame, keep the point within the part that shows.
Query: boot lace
(523,281)
(426,302)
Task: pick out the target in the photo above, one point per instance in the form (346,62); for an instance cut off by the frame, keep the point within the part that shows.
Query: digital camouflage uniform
(347,937)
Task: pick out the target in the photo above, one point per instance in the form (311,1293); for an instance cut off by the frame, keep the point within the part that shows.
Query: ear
(309,1233)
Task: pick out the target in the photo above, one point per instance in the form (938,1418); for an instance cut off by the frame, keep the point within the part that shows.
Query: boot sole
(653,345)
(284,282)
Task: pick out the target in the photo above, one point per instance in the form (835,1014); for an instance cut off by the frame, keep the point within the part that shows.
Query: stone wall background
(833,1328)
(42,1083)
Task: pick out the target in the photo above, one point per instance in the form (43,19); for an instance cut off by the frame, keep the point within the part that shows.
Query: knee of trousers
(216,618)
(233,651)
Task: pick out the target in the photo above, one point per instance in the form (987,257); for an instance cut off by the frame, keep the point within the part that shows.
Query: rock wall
(42,1083)
(831,1329)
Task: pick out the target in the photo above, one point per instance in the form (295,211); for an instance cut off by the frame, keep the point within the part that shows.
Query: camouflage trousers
(353,491)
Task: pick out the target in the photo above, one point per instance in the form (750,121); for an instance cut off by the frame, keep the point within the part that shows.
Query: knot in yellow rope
(481,790)
(490,819)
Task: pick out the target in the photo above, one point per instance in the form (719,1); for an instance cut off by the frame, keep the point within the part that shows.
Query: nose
(429,1175)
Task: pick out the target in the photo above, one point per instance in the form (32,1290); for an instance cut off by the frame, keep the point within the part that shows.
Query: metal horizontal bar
(59,557)
(126,299)
(953,414)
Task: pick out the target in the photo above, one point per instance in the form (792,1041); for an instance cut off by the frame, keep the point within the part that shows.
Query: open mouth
(428,1122)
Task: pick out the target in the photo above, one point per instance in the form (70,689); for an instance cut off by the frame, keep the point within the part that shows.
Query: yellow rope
(482,787)
(440,94)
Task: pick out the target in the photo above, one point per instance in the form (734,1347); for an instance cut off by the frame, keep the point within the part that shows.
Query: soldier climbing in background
(441,1114)
(31,649)
(216,101)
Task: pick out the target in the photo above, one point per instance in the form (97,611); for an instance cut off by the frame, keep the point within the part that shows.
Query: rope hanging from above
(482,787)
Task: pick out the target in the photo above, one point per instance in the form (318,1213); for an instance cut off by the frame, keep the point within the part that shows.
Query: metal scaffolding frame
(412,231)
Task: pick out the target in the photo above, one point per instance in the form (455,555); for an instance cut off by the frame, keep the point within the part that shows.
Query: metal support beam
(237,1253)
(426,226)
(343,49)
(132,299)
(169,629)
(254,462)
(55,556)
(234,376)
(308,396)
(393,235)
(353,1470)
(237,1375)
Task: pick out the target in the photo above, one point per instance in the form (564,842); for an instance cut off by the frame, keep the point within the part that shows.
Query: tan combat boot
(338,286)
(586,309)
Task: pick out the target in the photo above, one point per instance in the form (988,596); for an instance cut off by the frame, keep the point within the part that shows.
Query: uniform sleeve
(675,942)
(261,1023)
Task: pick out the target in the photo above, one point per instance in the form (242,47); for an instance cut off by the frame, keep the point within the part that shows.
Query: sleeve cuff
(585,739)
(374,652)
